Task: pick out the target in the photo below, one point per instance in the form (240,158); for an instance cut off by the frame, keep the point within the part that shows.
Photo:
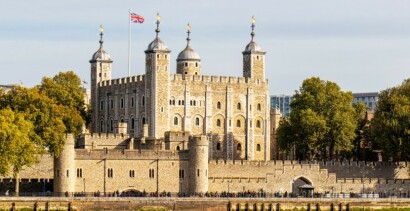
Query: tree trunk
(17,184)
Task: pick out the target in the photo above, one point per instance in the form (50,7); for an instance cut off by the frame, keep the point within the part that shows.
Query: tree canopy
(321,123)
(390,127)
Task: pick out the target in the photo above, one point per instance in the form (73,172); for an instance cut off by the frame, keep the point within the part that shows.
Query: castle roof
(188,53)
(101,54)
(157,44)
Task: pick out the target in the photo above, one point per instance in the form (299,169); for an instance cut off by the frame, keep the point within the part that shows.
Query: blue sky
(363,45)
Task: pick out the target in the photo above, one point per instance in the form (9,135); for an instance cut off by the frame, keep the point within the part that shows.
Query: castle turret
(198,150)
(100,71)
(157,57)
(254,58)
(188,61)
(64,167)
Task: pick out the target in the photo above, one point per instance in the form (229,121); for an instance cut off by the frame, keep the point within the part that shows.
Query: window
(151,173)
(218,146)
(186,65)
(197,121)
(257,57)
(162,109)
(259,106)
(196,64)
(101,126)
(178,148)
(166,56)
(68,173)
(122,103)
(238,147)
(197,172)
(111,104)
(132,102)
(132,173)
(143,121)
(101,105)
(238,123)
(175,120)
(181,174)
(258,147)
(58,173)
(157,56)
(196,73)
(111,125)
(143,101)
(238,106)
(110,173)
(218,123)
(258,124)
(132,123)
(218,105)
(79,173)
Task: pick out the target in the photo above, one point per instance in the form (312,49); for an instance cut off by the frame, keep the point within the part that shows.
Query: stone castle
(192,133)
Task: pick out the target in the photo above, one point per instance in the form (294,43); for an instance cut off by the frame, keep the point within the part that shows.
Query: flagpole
(129,43)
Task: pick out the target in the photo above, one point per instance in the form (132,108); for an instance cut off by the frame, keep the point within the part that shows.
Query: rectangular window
(110,173)
(68,173)
(132,173)
(101,105)
(181,174)
(79,173)
(197,172)
(151,174)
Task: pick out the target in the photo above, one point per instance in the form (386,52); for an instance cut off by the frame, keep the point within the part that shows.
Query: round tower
(64,168)
(188,61)
(198,164)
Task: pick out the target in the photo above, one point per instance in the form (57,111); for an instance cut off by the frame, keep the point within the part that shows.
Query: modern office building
(282,102)
(370,99)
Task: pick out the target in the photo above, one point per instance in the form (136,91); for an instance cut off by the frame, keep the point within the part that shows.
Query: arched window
(258,124)
(143,101)
(178,148)
(101,126)
(238,106)
(132,102)
(218,146)
(238,147)
(122,103)
(186,65)
(238,123)
(143,121)
(218,123)
(196,64)
(259,106)
(122,120)
(258,147)
(132,124)
(218,105)
(111,125)
(197,121)
(175,120)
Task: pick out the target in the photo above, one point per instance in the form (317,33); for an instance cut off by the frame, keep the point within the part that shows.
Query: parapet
(103,140)
(212,79)
(125,80)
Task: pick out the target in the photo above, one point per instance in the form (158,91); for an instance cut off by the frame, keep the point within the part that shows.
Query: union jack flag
(135,18)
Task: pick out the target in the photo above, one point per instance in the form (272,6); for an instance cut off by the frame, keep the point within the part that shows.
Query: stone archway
(302,186)
(130,192)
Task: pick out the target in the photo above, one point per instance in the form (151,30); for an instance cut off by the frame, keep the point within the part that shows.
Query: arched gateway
(302,186)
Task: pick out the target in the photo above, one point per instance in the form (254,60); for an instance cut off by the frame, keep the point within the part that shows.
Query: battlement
(362,164)
(103,140)
(213,79)
(373,181)
(125,80)
(124,154)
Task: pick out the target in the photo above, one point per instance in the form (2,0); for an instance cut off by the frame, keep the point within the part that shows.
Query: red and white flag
(135,18)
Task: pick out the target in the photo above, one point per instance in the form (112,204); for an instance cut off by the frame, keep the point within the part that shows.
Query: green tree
(361,130)
(16,148)
(390,127)
(65,88)
(44,113)
(322,120)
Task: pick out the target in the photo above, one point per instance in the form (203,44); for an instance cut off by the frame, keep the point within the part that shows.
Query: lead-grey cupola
(157,44)
(188,61)
(101,54)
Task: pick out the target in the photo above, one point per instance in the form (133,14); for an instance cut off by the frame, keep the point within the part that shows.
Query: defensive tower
(198,150)
(188,61)
(64,165)
(157,57)
(253,58)
(100,71)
